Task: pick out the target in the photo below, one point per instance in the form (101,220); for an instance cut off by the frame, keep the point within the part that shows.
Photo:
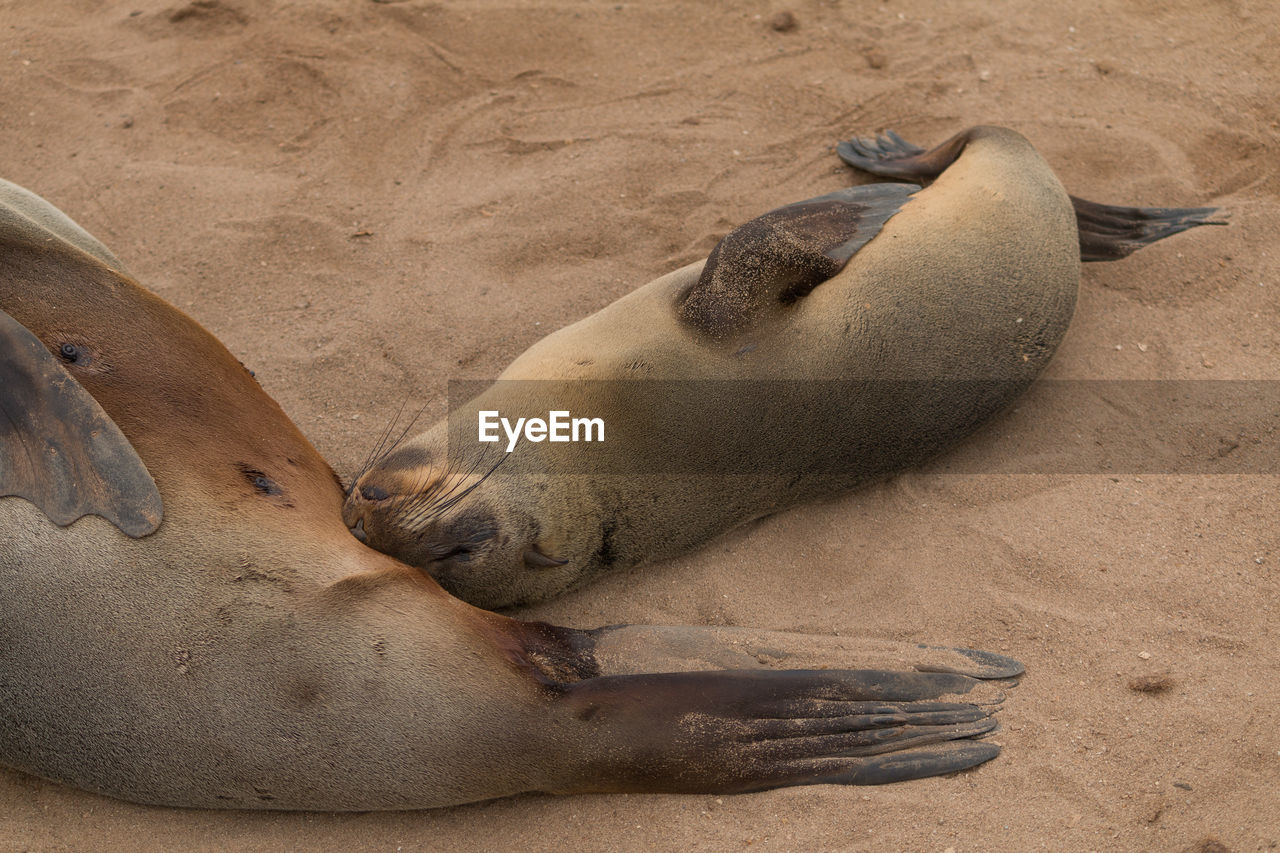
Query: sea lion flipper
(735,731)
(936,760)
(1111,232)
(780,257)
(632,649)
(890,156)
(28,219)
(1107,232)
(59,449)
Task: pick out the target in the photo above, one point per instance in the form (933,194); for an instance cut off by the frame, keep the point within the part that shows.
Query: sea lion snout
(363,499)
(372,493)
(413,515)
(383,486)
(484,553)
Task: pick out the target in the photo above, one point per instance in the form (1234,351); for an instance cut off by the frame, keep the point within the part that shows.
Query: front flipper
(782,256)
(59,449)
(632,649)
(738,731)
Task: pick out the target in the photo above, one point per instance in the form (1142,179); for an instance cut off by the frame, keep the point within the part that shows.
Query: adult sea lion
(202,630)
(821,346)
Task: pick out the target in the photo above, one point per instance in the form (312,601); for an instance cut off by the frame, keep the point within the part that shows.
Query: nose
(372,493)
(361,502)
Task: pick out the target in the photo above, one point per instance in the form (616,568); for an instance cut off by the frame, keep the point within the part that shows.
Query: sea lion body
(822,346)
(973,279)
(243,650)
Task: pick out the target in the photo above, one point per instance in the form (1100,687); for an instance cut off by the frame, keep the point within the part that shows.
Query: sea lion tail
(1110,232)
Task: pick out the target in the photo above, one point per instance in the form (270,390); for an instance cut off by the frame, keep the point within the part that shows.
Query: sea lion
(186,620)
(820,347)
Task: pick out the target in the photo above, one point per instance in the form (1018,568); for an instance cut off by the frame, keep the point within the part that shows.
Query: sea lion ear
(59,449)
(780,257)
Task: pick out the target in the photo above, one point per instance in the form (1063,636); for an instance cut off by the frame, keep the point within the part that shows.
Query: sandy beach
(365,200)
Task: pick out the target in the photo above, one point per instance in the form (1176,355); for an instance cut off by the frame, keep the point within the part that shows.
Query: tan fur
(974,278)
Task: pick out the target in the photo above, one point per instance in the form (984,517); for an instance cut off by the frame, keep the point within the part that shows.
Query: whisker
(454,478)
(423,493)
(404,432)
(382,440)
(384,447)
(445,494)
(425,496)
(456,500)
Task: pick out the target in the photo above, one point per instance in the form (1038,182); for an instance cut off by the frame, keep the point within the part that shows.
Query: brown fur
(250,653)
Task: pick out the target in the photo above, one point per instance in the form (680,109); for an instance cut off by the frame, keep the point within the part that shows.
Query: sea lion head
(483,536)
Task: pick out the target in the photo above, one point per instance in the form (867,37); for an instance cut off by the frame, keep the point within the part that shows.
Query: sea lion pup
(822,346)
(209,634)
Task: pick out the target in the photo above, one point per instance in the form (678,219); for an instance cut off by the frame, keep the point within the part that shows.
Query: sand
(364,200)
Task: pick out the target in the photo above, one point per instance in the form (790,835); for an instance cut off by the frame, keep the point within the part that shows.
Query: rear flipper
(737,731)
(891,156)
(1107,233)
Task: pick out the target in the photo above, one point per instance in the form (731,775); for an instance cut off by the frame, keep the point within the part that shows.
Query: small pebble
(1151,683)
(783,22)
(1144,655)
(1209,844)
